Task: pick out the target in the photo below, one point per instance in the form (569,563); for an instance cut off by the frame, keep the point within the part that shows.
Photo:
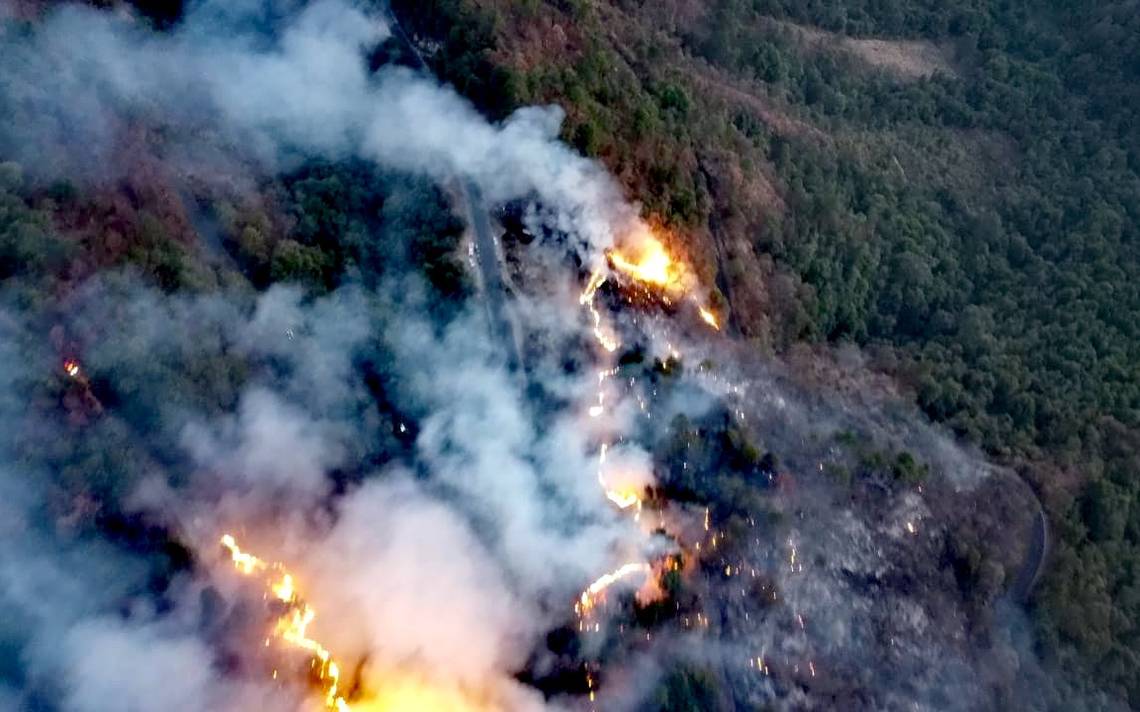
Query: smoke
(78,631)
(108,664)
(301,89)
(442,562)
(424,591)
(843,586)
(628,469)
(267,444)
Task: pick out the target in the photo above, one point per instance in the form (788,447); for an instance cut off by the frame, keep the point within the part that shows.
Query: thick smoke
(304,91)
(76,632)
(445,566)
(268,443)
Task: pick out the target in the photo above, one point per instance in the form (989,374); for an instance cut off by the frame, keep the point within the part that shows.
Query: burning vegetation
(288,637)
(642,258)
(291,626)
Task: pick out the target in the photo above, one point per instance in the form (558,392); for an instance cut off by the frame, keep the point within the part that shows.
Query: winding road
(1036,554)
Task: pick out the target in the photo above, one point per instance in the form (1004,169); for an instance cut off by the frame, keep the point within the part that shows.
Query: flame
(709,317)
(411,694)
(71,368)
(624,497)
(597,279)
(653,266)
(292,627)
(642,257)
(653,589)
(245,563)
(606,339)
(589,598)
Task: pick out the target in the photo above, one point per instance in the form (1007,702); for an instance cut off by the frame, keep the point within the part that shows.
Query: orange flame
(293,624)
(642,257)
(71,368)
(606,339)
(590,597)
(653,265)
(408,693)
(708,317)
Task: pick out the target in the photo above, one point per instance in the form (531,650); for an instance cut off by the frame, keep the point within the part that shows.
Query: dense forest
(973,224)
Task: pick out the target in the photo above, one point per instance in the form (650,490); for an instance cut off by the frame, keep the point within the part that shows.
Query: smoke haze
(304,91)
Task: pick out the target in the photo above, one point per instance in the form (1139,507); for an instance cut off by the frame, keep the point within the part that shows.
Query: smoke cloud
(301,91)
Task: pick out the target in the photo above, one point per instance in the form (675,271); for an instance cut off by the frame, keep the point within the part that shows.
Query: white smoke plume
(445,574)
(268,443)
(306,91)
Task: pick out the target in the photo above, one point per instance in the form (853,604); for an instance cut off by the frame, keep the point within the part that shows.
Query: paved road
(501,324)
(1037,553)
(488,258)
(1034,557)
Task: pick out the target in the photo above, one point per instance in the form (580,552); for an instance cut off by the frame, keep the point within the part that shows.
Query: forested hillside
(954,187)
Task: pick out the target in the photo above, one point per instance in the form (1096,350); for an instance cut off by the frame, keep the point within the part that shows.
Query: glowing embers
(72,369)
(292,624)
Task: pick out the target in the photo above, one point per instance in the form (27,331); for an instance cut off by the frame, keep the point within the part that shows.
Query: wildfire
(624,497)
(589,598)
(709,317)
(652,265)
(292,626)
(410,693)
(71,368)
(607,340)
(642,257)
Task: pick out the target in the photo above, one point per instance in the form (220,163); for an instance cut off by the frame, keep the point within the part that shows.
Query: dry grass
(905,59)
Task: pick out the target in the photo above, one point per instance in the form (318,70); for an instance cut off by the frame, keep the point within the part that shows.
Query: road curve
(1034,558)
(1038,550)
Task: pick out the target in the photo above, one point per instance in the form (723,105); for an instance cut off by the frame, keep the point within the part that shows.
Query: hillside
(953,188)
(823,360)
